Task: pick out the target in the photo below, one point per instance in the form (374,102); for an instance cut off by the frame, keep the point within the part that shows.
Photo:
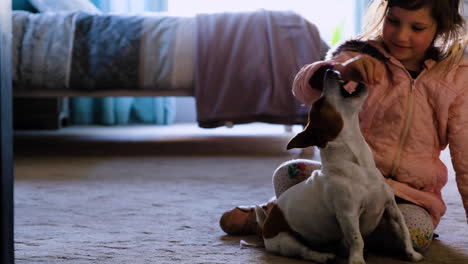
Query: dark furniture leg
(6,137)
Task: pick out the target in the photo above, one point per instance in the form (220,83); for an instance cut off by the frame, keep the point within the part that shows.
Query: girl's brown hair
(450,39)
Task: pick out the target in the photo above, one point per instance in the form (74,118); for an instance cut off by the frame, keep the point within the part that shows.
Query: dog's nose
(332,74)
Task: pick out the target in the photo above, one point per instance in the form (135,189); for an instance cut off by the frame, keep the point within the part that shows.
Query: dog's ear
(324,125)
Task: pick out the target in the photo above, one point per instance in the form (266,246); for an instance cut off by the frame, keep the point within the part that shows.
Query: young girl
(411,59)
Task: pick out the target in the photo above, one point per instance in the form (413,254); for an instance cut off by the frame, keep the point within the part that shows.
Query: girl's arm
(304,89)
(458,144)
(354,67)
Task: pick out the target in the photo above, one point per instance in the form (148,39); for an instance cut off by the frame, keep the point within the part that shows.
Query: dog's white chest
(312,207)
(308,212)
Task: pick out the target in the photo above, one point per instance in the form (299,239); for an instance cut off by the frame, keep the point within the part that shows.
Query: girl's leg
(242,220)
(419,224)
(293,172)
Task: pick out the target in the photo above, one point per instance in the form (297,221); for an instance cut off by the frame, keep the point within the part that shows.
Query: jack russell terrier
(345,200)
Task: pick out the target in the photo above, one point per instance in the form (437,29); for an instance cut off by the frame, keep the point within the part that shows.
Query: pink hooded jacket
(408,122)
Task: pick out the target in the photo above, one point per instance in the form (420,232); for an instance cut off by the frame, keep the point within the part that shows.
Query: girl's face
(408,34)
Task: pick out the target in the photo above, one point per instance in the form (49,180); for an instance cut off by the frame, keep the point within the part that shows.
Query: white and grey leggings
(417,219)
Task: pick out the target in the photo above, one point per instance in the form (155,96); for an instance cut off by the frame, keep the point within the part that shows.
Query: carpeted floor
(155,195)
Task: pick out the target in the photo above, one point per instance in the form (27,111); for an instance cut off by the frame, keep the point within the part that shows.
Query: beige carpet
(155,195)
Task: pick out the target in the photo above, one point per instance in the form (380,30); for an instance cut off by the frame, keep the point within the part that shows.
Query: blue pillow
(23,5)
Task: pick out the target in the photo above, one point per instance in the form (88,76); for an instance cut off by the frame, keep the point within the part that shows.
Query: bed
(238,66)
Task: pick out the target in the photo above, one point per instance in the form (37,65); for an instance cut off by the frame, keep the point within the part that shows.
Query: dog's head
(326,117)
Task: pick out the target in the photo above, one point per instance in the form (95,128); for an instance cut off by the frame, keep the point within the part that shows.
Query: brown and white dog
(345,200)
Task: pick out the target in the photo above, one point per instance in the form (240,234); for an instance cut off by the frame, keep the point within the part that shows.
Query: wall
(324,14)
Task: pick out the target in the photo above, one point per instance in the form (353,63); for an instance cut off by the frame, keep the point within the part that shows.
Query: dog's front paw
(360,261)
(325,258)
(414,256)
(356,260)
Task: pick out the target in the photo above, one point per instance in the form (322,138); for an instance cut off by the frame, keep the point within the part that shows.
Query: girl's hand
(362,68)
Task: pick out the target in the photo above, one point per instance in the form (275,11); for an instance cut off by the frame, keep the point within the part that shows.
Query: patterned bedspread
(81,51)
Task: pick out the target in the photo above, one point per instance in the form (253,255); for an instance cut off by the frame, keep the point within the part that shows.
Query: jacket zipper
(409,115)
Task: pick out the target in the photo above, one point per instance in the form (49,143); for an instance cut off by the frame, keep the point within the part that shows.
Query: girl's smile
(399,47)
